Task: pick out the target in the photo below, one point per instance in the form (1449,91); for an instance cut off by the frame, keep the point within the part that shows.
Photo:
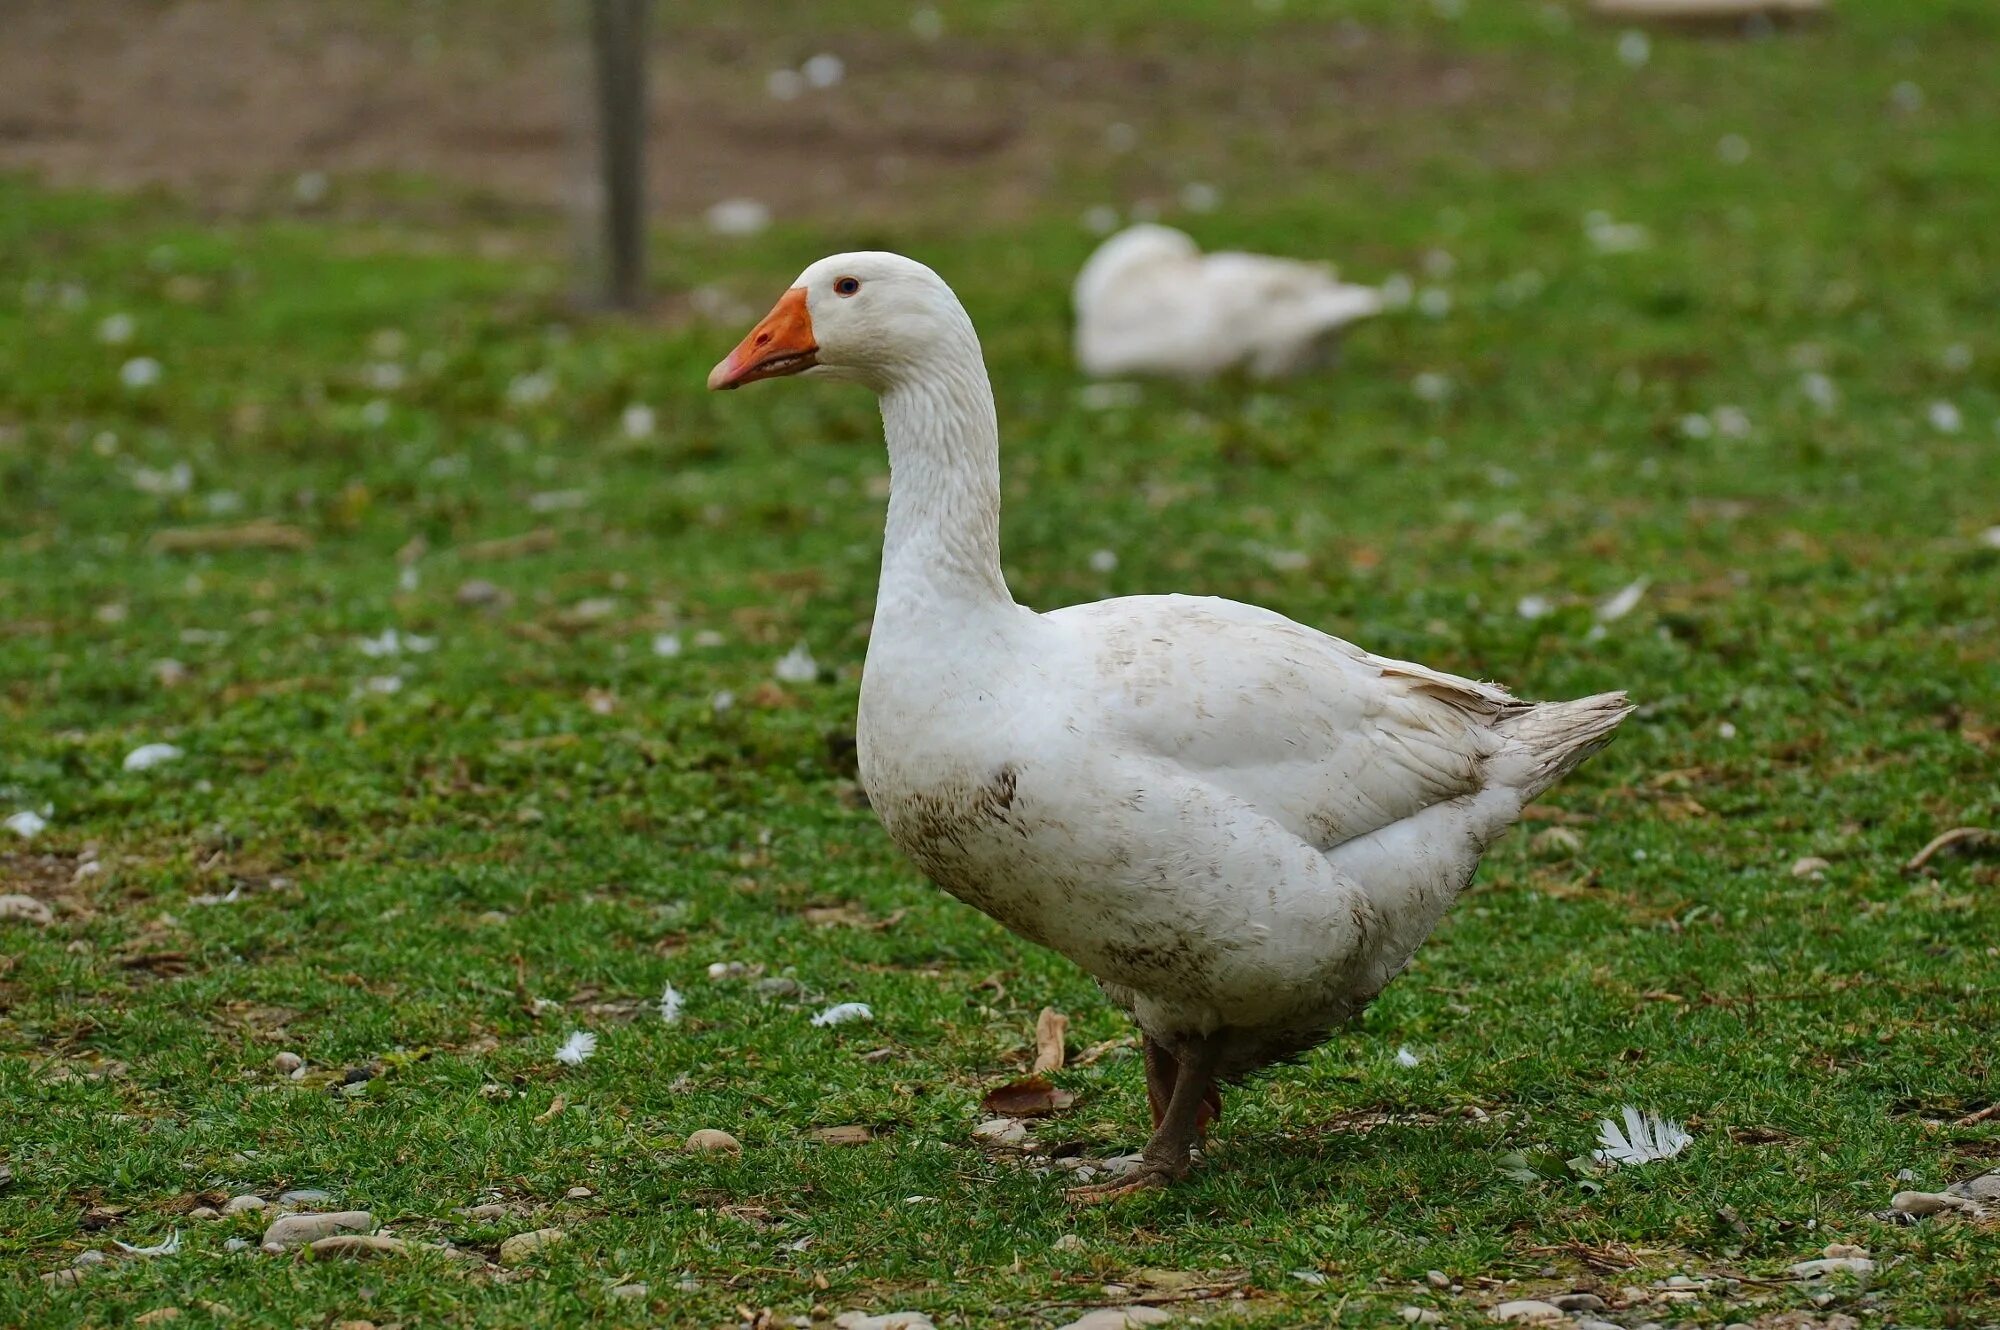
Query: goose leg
(1162,1070)
(1166,1156)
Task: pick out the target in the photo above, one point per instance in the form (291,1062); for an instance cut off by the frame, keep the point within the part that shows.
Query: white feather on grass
(671,1004)
(167,1248)
(577,1048)
(842,1013)
(1647,1137)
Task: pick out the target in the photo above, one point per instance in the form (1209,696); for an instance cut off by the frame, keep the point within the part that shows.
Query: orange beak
(782,344)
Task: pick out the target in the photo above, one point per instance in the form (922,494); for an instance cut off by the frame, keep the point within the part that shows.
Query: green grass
(547,807)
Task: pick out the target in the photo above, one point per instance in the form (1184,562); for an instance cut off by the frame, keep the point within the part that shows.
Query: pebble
(1922,1203)
(521,1246)
(1001,1131)
(26,909)
(288,1062)
(356,1247)
(1810,866)
(1591,1323)
(1577,1302)
(710,1140)
(63,1278)
(157,1315)
(1985,1188)
(1526,1309)
(578,1194)
(479,591)
(1832,1265)
(886,1321)
(490,1211)
(1068,1242)
(204,1212)
(237,1244)
(1118,1318)
(304,1196)
(1437,1278)
(91,1257)
(1841,1249)
(236,1205)
(297,1230)
(626,1292)
(779,986)
(1421,1316)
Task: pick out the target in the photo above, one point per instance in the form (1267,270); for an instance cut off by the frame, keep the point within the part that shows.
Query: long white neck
(942,547)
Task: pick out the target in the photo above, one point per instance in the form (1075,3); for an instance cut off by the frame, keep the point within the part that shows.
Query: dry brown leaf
(1030,1098)
(508,547)
(556,1105)
(1050,1027)
(259,535)
(854,1134)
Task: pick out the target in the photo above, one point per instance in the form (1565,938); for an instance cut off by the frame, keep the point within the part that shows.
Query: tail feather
(1560,735)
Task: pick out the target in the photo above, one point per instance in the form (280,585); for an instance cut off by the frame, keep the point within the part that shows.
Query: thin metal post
(618,46)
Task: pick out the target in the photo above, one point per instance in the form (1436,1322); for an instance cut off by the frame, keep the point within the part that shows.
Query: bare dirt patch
(229,102)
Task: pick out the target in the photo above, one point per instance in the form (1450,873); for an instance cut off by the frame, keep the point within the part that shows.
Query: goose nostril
(763,338)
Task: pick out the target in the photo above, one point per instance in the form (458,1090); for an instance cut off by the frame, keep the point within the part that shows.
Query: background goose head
(869,316)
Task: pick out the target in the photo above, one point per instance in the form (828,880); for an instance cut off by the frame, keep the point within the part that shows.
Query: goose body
(1150,302)
(1240,826)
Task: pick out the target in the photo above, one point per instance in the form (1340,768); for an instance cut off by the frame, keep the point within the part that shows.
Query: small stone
(522,1246)
(885,1321)
(236,1244)
(627,1292)
(778,986)
(356,1247)
(1591,1323)
(63,1278)
(1526,1309)
(221,1311)
(289,1231)
(1421,1316)
(1577,1302)
(1739,1325)
(157,1316)
(1921,1203)
(1810,866)
(1985,1188)
(711,1141)
(1844,1251)
(204,1212)
(304,1196)
(237,1205)
(489,1212)
(1119,1318)
(1068,1242)
(25,909)
(578,1194)
(1832,1265)
(287,1062)
(1437,1279)
(1001,1131)
(479,591)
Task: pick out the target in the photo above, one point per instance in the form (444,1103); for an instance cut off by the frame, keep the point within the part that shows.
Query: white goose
(1242,827)
(1150,302)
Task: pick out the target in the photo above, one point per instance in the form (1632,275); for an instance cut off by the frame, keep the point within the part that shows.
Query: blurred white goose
(1150,302)
(1242,827)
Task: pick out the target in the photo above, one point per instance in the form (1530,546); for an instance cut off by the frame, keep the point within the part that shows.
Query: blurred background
(474,623)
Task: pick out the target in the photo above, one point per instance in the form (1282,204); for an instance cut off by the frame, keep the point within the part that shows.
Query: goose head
(868,316)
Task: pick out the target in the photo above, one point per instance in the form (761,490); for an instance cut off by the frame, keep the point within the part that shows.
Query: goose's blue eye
(846,286)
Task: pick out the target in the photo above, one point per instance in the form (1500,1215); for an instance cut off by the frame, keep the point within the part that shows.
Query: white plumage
(1150,302)
(1241,826)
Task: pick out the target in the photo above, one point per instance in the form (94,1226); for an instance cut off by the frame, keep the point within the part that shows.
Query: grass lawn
(443,799)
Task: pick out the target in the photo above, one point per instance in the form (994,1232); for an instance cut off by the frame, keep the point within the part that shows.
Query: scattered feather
(796,666)
(139,372)
(1623,603)
(147,756)
(1405,1058)
(577,1048)
(1534,607)
(1103,561)
(737,217)
(27,823)
(844,1012)
(167,1248)
(667,645)
(671,1003)
(1647,1137)
(1945,417)
(638,421)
